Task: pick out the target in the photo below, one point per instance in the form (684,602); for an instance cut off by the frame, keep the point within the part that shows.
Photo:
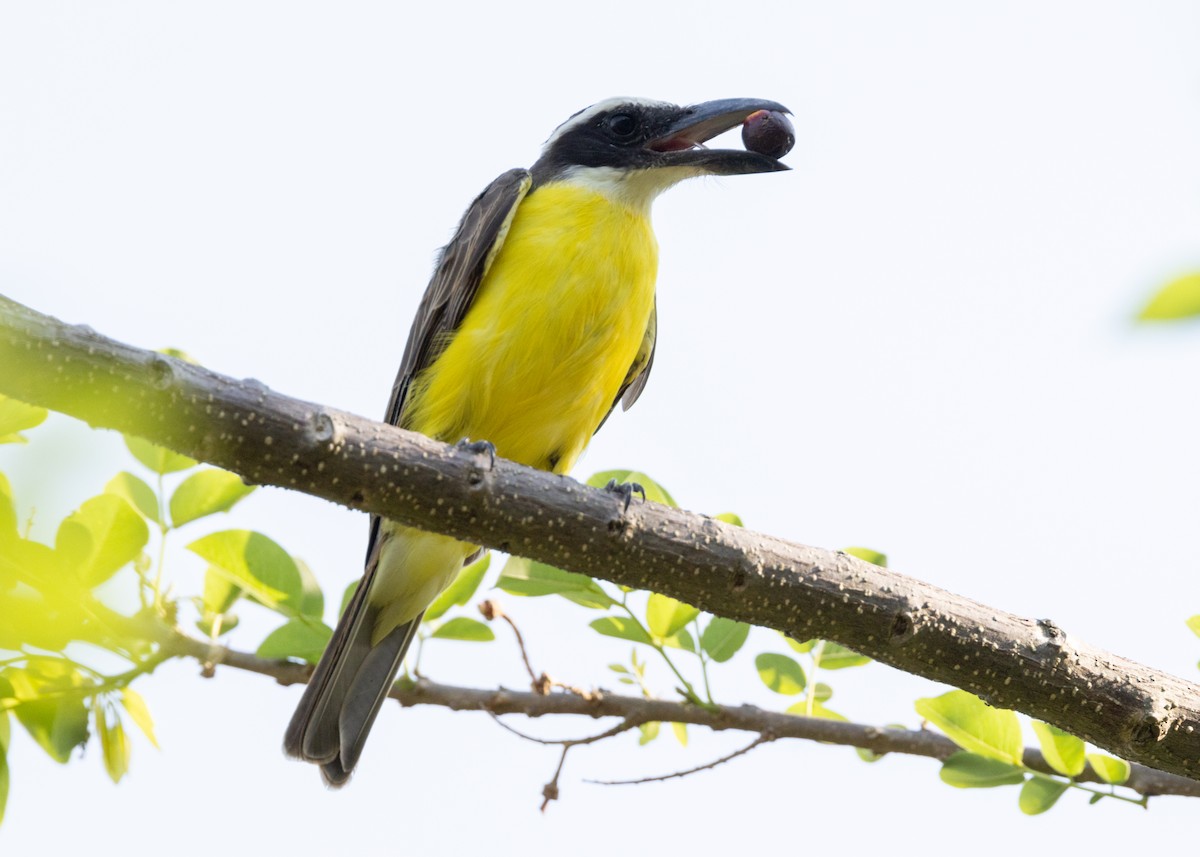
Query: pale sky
(918,340)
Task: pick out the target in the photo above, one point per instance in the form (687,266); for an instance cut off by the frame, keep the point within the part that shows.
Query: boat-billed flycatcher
(538,320)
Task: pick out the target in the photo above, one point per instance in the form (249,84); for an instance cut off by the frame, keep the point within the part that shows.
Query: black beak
(680,144)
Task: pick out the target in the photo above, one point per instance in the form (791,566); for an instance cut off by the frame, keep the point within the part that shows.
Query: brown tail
(346,690)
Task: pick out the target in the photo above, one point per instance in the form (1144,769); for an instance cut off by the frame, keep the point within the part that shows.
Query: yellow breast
(557,321)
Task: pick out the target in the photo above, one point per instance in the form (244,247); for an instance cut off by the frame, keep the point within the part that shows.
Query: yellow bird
(538,320)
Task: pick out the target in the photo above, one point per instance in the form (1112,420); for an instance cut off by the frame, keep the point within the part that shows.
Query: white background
(918,340)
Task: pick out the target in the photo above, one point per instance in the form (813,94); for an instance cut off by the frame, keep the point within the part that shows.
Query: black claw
(479,447)
(625,490)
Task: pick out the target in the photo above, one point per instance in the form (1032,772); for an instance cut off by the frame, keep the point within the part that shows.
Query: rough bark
(1136,712)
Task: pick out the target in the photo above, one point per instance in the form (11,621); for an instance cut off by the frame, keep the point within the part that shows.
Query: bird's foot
(479,447)
(625,490)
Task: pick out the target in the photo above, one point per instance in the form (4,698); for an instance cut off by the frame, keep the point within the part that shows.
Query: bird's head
(635,148)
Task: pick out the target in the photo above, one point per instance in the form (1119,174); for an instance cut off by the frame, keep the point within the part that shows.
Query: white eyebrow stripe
(586,115)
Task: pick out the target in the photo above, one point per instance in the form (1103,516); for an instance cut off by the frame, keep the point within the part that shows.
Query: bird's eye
(622,125)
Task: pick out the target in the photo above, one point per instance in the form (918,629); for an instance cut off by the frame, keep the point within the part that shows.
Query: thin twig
(761,739)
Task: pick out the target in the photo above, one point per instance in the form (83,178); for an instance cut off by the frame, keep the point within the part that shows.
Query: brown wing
(460,269)
(639,371)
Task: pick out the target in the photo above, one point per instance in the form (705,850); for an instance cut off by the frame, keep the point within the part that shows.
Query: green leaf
(351,588)
(965,770)
(730,518)
(1194,624)
(114,743)
(872,556)
(1039,794)
(299,638)
(681,639)
(4,782)
(836,657)
(205,493)
(680,730)
(8,512)
(312,599)
(460,591)
(1112,770)
(50,705)
(780,673)
(139,495)
(1062,750)
(256,564)
(5,726)
(621,627)
(649,733)
(464,628)
(974,725)
(654,492)
(869,756)
(100,537)
(722,638)
(17,416)
(157,458)
(802,709)
(136,708)
(1179,298)
(802,648)
(220,592)
(665,615)
(522,576)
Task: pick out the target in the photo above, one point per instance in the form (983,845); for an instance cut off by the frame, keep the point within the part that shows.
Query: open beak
(682,142)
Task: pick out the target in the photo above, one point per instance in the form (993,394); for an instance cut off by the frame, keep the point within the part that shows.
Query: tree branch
(1136,712)
(635,711)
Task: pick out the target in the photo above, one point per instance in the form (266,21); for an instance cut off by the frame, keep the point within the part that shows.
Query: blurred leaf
(15,417)
(1039,794)
(114,743)
(100,537)
(522,576)
(680,730)
(872,556)
(836,657)
(722,638)
(681,639)
(157,458)
(802,648)
(1194,624)
(256,564)
(619,626)
(1111,770)
(49,704)
(205,493)
(730,518)
(780,673)
(5,725)
(869,756)
(351,588)
(974,725)
(3,779)
(965,770)
(1179,298)
(299,638)
(312,599)
(140,495)
(136,708)
(220,593)
(654,492)
(460,591)
(665,615)
(464,628)
(8,512)
(649,733)
(802,709)
(1062,750)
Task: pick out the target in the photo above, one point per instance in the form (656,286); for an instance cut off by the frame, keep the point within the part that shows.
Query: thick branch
(634,711)
(1138,713)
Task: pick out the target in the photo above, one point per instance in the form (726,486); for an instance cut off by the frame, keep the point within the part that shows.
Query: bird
(539,319)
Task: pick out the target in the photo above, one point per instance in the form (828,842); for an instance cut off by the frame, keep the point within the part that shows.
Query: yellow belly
(535,365)
(557,322)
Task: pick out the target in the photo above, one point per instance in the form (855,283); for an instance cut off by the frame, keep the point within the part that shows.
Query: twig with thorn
(761,739)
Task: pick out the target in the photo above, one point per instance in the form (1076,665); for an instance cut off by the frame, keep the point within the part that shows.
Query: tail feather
(347,689)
